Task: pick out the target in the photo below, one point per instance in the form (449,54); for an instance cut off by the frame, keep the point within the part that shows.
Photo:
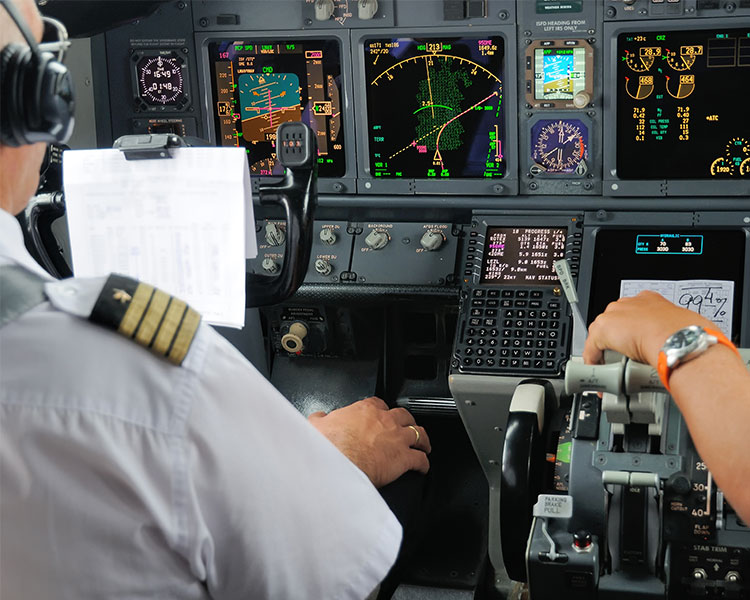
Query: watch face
(684,338)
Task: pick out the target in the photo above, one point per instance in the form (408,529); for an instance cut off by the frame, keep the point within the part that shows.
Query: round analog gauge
(745,168)
(644,60)
(738,150)
(161,79)
(683,58)
(721,167)
(560,146)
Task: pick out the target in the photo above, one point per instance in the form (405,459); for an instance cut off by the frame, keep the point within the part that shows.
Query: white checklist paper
(712,298)
(178,223)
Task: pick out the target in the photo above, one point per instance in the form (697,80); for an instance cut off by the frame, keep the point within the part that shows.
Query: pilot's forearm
(713,394)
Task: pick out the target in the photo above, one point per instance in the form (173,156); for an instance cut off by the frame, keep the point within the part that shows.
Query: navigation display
(257,85)
(681,105)
(435,107)
(524,255)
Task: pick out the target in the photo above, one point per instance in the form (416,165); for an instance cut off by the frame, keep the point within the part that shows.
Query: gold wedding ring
(415,430)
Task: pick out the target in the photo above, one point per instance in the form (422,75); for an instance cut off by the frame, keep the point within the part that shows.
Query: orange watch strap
(664,371)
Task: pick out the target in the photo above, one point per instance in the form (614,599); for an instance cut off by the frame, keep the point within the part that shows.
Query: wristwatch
(685,345)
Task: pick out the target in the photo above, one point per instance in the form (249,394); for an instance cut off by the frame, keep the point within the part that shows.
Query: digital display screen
(559,73)
(669,243)
(681,104)
(257,85)
(435,107)
(710,282)
(522,255)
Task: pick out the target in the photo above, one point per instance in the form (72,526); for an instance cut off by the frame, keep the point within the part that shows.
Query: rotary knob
(323,10)
(377,239)
(323,267)
(293,341)
(275,235)
(432,240)
(581,99)
(327,236)
(269,265)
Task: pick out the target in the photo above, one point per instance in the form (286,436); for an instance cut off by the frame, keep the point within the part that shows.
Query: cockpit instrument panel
(435,107)
(681,104)
(259,84)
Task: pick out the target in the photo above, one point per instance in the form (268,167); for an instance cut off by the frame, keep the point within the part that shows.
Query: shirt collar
(12,247)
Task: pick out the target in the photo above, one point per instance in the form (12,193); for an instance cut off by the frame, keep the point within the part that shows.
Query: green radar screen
(435,107)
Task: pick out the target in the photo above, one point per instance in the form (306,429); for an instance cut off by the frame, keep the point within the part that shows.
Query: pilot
(711,385)
(186,475)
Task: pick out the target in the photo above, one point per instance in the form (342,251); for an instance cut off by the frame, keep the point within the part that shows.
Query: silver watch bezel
(678,351)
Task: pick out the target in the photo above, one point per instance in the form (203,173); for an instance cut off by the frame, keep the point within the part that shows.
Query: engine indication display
(522,255)
(434,107)
(679,107)
(160,80)
(257,85)
(560,146)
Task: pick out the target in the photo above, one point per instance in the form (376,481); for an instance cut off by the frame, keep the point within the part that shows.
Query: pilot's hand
(638,327)
(382,442)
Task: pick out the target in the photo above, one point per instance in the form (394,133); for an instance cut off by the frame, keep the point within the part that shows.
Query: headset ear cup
(11,118)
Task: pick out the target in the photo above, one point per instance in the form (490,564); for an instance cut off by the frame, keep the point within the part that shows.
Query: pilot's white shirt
(124,476)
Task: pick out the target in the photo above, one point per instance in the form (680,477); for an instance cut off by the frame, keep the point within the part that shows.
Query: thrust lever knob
(432,240)
(293,340)
(275,235)
(377,239)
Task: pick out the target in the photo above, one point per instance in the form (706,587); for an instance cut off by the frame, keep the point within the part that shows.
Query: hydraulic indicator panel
(435,107)
(258,85)
(681,105)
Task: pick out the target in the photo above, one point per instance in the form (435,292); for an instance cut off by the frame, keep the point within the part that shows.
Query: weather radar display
(435,107)
(260,85)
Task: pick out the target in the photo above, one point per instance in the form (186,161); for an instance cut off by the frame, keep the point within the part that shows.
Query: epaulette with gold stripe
(151,317)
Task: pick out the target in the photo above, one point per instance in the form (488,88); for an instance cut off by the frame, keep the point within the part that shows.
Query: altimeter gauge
(160,80)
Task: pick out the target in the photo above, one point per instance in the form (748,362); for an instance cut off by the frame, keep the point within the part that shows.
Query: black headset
(36,92)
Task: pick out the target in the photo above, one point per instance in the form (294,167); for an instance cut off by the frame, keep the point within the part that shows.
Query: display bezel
(343,184)
(615,186)
(507,185)
(567,104)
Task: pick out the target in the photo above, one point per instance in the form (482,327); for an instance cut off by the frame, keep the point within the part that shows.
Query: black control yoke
(297,194)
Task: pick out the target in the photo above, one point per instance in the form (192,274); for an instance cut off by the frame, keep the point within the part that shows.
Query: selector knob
(581,100)
(366,9)
(275,235)
(323,10)
(377,239)
(432,240)
(269,265)
(293,341)
(327,236)
(323,267)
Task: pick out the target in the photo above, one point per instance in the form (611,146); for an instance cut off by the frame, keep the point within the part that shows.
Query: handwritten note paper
(177,223)
(712,298)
